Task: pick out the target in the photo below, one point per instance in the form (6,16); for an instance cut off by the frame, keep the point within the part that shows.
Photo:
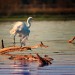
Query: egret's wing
(24,29)
(15,27)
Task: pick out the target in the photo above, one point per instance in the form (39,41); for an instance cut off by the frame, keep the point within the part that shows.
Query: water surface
(55,34)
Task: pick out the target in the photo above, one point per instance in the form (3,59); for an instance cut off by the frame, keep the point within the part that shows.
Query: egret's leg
(14,40)
(22,44)
(23,40)
(20,40)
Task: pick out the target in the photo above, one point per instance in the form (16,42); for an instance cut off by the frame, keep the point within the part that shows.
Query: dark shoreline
(46,17)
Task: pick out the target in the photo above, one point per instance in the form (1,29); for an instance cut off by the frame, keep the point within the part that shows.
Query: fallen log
(17,48)
(42,61)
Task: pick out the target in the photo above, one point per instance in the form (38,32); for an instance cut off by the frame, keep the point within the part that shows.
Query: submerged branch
(42,61)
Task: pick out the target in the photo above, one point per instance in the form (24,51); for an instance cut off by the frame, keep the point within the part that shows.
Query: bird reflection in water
(21,67)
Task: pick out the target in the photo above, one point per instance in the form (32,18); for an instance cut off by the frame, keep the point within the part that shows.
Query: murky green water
(55,34)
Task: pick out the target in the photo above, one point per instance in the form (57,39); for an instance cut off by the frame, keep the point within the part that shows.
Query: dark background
(46,7)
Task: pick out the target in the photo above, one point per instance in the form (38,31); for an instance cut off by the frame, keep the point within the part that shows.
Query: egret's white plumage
(22,30)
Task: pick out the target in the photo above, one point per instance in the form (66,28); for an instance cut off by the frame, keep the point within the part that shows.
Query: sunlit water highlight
(55,34)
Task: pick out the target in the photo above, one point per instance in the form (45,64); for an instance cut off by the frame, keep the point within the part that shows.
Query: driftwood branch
(2,43)
(17,48)
(42,61)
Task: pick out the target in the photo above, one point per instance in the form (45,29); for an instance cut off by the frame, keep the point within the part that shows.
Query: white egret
(22,30)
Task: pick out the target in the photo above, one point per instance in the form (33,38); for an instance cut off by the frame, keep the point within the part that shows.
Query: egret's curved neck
(28,23)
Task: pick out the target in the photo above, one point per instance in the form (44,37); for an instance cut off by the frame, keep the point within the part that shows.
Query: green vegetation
(40,17)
